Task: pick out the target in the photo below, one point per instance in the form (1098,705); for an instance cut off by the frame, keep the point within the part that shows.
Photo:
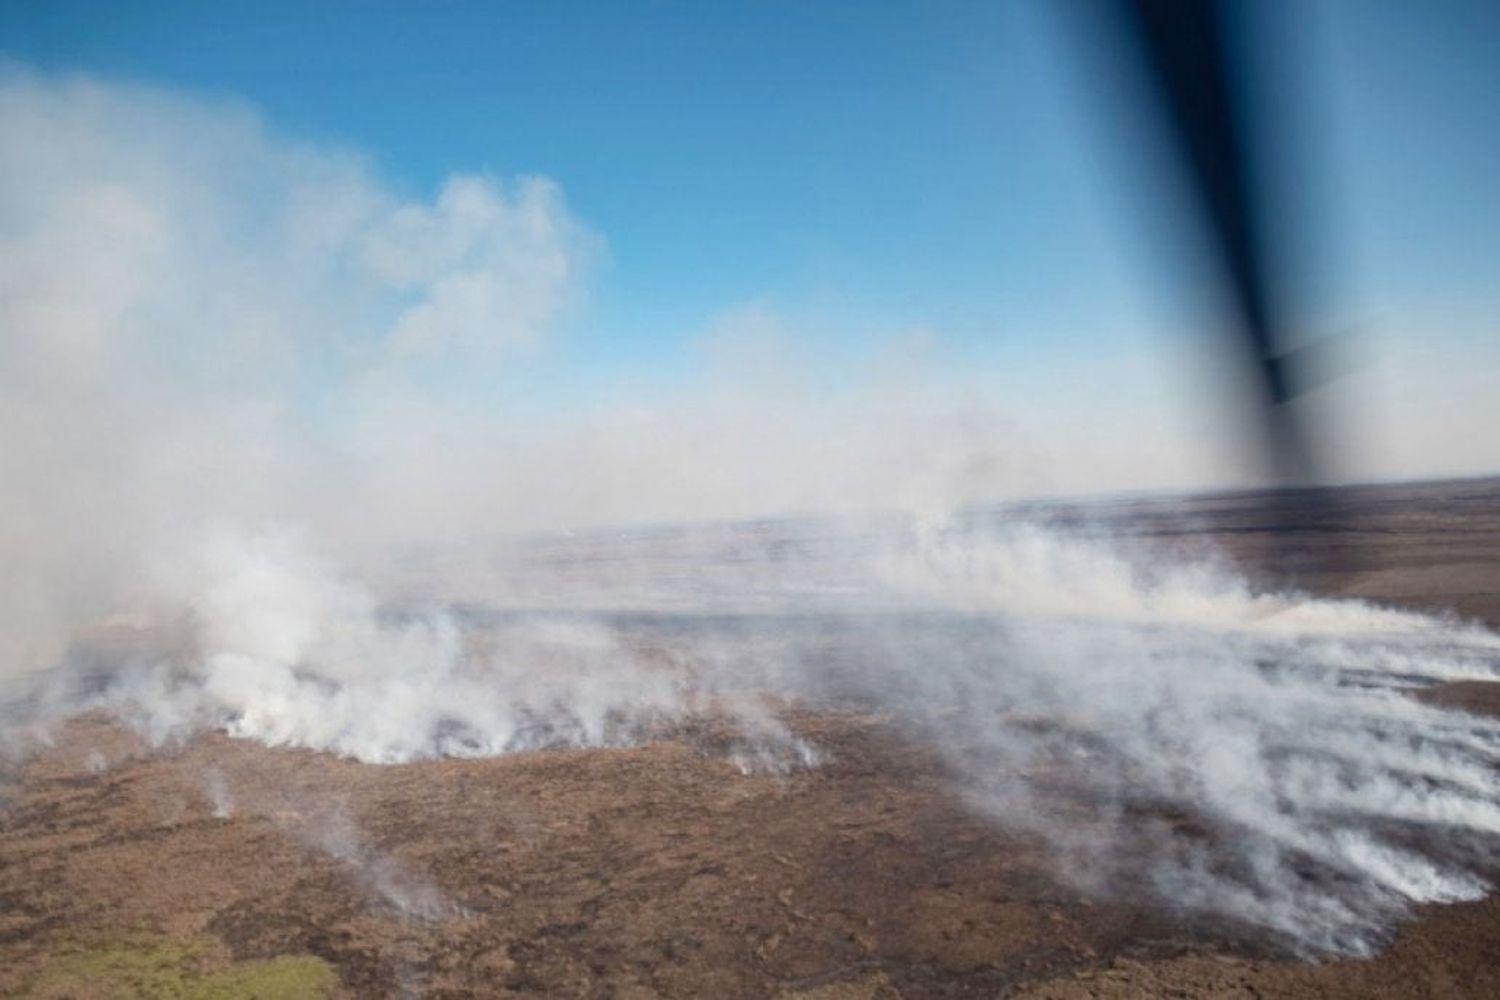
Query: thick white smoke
(1171,732)
(1255,756)
(245,485)
(211,327)
(196,312)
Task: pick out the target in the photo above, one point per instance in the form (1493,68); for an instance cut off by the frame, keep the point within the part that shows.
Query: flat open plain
(224,868)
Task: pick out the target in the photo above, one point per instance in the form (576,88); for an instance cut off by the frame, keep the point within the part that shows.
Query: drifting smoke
(1169,731)
(1240,754)
(217,791)
(236,483)
(333,833)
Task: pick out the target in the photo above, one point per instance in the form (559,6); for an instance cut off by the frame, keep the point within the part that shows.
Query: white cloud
(486,270)
(183,291)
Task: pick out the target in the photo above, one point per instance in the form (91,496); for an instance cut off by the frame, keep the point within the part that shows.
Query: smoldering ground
(1254,756)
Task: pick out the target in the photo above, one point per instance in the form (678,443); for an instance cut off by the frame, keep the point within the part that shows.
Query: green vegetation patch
(145,966)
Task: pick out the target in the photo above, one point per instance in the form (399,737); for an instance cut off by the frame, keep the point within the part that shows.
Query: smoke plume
(251,483)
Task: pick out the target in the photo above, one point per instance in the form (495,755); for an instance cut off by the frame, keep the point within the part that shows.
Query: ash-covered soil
(663,870)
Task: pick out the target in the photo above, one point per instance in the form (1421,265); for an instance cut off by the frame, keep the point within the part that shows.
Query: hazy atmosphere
(797,387)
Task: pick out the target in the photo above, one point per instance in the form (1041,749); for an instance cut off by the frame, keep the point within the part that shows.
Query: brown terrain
(662,870)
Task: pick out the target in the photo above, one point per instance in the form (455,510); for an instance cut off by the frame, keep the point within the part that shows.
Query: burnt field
(856,857)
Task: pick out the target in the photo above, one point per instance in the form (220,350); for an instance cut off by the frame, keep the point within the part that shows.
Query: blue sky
(898,161)
(865,169)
